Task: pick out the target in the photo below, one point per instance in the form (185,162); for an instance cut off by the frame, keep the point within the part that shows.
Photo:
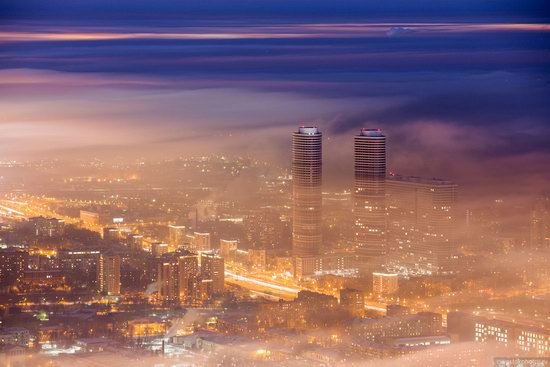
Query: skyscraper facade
(422,217)
(370,192)
(307,199)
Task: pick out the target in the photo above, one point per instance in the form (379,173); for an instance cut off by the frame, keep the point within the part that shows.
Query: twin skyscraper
(369,198)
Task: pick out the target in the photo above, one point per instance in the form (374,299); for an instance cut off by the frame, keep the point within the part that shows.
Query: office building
(228,249)
(188,272)
(522,337)
(422,221)
(78,259)
(159,248)
(397,310)
(108,274)
(213,268)
(336,264)
(201,242)
(168,278)
(420,324)
(384,284)
(307,200)
(370,193)
(257,259)
(13,264)
(205,290)
(264,229)
(176,237)
(47,227)
(353,301)
(97,218)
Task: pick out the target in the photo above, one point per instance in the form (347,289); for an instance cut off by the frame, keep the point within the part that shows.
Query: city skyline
(443,85)
(189,261)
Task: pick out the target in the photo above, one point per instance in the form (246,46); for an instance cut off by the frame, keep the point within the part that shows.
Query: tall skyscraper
(108,274)
(422,223)
(370,192)
(307,199)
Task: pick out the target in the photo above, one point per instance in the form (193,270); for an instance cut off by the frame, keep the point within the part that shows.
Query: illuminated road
(11,213)
(276,290)
(260,286)
(30,209)
(255,285)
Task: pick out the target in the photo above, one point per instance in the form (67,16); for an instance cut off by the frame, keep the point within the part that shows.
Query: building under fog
(306,179)
(108,274)
(213,268)
(188,272)
(539,226)
(168,279)
(422,220)
(384,284)
(177,236)
(370,193)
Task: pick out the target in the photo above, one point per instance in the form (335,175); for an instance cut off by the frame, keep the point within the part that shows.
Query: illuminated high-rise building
(213,268)
(353,301)
(13,264)
(228,249)
(370,192)
(307,199)
(176,236)
(422,223)
(168,279)
(201,242)
(108,274)
(384,283)
(188,269)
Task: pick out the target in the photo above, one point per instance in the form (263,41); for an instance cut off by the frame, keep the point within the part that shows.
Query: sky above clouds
(461,88)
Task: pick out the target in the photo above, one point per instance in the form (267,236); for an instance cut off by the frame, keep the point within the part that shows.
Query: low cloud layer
(459,100)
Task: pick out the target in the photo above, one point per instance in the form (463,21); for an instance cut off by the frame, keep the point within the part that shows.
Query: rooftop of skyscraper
(308,130)
(375,133)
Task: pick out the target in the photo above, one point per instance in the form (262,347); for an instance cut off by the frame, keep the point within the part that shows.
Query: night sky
(461,87)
